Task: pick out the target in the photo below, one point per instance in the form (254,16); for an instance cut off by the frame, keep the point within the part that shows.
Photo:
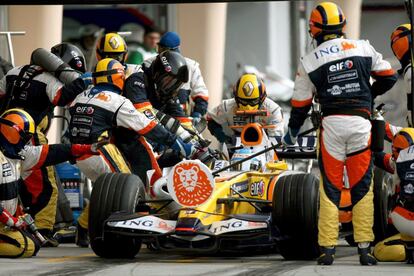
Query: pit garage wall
(43,26)
(257,34)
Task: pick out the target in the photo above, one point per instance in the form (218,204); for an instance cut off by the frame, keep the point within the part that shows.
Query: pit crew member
(195,87)
(17,158)
(337,74)
(36,91)
(249,94)
(97,112)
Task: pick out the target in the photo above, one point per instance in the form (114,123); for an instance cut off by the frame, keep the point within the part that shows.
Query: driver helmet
(402,140)
(112,45)
(400,43)
(70,54)
(16,129)
(326,19)
(249,92)
(169,72)
(109,71)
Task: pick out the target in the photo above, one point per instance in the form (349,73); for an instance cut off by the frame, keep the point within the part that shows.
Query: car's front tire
(113,192)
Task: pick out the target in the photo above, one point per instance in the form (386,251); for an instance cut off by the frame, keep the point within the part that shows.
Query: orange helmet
(110,71)
(326,18)
(400,41)
(16,129)
(402,140)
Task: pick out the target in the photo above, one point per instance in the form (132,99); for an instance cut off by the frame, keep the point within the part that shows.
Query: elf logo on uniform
(343,65)
(166,64)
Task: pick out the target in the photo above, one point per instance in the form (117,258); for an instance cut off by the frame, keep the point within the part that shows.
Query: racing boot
(327,256)
(409,252)
(50,240)
(365,255)
(82,238)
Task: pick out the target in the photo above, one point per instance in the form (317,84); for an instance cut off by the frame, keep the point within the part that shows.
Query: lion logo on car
(191,183)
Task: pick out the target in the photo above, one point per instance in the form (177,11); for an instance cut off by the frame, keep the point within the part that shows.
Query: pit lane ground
(68,259)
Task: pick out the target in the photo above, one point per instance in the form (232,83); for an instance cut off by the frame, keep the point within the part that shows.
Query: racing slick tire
(383,204)
(295,214)
(113,192)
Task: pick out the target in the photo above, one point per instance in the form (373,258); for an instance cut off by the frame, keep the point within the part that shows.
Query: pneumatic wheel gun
(31,226)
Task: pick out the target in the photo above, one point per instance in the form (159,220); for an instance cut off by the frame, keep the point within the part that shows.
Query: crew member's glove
(7,219)
(91,149)
(87,78)
(196,117)
(290,137)
(185,149)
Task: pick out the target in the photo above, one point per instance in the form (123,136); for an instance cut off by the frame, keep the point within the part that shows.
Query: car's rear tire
(113,192)
(382,206)
(295,214)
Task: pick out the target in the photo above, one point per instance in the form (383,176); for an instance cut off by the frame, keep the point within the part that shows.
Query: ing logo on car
(191,184)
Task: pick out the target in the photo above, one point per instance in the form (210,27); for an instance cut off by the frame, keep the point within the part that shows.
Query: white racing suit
(94,116)
(14,243)
(221,117)
(337,73)
(195,88)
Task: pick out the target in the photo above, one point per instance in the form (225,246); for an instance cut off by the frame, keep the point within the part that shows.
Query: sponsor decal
(248,89)
(257,188)
(240,187)
(412,166)
(232,225)
(84,132)
(139,84)
(149,114)
(166,64)
(343,65)
(326,51)
(85,109)
(148,223)
(218,164)
(190,183)
(409,189)
(79,63)
(344,76)
(335,90)
(409,175)
(103,97)
(347,46)
(84,120)
(347,88)
(7,171)
(74,131)
(114,42)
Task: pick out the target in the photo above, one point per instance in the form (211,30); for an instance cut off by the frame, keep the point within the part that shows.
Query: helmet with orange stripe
(16,129)
(109,71)
(402,140)
(326,21)
(249,92)
(400,43)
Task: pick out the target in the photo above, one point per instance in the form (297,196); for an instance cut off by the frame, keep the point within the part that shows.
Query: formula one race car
(198,209)
(252,203)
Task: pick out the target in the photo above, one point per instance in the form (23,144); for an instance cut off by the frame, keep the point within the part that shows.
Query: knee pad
(403,220)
